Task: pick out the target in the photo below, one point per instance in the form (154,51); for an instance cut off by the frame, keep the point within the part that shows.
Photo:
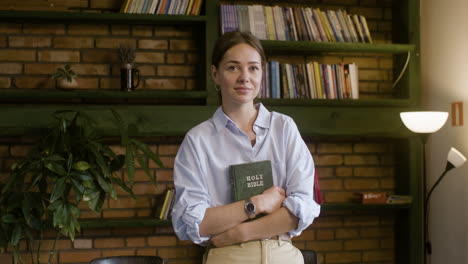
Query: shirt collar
(221,120)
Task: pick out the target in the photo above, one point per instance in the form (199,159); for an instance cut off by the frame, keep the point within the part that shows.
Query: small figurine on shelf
(65,77)
(128,72)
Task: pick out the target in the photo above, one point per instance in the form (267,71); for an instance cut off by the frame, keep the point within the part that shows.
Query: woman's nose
(244,76)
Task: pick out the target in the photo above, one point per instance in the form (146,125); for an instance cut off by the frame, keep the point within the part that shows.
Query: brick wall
(168,58)
(344,168)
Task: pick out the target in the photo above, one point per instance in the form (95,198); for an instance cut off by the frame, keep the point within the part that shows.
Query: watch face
(250,207)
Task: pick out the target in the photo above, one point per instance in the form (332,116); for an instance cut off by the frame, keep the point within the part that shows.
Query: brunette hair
(229,40)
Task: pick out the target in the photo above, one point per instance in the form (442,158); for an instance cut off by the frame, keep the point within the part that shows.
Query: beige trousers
(269,251)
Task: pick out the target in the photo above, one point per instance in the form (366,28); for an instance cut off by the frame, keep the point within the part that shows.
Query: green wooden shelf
(106,18)
(309,47)
(151,222)
(167,120)
(358,206)
(125,222)
(27,94)
(337,102)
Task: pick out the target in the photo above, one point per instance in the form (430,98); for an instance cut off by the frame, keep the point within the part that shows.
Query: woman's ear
(214,73)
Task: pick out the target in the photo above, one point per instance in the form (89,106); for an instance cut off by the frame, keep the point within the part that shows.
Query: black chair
(128,260)
(310,257)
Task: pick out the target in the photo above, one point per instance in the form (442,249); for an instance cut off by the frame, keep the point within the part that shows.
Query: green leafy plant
(65,73)
(69,164)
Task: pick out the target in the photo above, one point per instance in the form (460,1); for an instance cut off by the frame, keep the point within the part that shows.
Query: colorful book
(167,197)
(249,179)
(317,193)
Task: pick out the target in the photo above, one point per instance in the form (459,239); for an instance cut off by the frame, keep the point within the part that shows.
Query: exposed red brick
(109,242)
(78,256)
(142,30)
(158,241)
(181,71)
(114,43)
(10,68)
(17,55)
(88,29)
(10,28)
(59,55)
(165,84)
(29,42)
(73,42)
(149,57)
(54,29)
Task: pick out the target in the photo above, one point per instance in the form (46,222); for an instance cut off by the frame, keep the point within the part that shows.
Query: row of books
(160,7)
(311,81)
(385,198)
(295,23)
(165,208)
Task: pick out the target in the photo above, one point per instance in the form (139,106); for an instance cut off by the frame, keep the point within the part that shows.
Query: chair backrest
(310,257)
(128,260)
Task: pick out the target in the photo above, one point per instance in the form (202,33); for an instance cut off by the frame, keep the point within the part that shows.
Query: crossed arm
(225,224)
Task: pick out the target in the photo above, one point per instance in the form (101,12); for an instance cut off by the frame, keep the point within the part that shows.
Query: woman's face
(239,74)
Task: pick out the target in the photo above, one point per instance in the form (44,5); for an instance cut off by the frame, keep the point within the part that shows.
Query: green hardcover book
(249,179)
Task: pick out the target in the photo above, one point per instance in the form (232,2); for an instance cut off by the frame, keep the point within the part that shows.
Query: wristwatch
(250,209)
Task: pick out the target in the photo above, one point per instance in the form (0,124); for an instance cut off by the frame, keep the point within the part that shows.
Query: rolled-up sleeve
(300,179)
(192,197)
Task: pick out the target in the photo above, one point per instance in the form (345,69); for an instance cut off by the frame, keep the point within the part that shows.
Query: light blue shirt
(201,170)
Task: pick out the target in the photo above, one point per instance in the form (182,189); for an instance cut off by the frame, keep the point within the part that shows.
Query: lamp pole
(427,244)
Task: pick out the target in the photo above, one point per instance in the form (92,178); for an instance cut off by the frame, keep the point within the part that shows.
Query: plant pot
(129,77)
(63,83)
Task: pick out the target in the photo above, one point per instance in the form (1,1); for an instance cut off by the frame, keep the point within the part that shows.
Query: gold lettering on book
(254,180)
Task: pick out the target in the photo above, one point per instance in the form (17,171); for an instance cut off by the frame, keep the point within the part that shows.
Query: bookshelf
(362,118)
(151,222)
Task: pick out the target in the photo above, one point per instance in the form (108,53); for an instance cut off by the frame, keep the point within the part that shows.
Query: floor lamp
(425,123)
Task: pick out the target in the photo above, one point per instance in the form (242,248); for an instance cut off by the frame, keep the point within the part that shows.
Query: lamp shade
(424,121)
(456,158)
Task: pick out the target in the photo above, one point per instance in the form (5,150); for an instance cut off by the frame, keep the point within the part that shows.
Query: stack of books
(399,199)
(165,208)
(311,81)
(295,23)
(160,7)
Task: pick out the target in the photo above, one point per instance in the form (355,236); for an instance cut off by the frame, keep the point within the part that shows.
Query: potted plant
(128,73)
(69,165)
(65,77)
(126,56)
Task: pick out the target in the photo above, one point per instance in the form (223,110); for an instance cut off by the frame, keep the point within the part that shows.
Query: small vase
(63,83)
(128,76)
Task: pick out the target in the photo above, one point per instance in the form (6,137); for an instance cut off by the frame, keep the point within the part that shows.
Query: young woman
(241,131)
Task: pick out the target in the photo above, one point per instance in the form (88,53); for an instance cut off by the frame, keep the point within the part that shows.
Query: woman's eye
(232,68)
(254,68)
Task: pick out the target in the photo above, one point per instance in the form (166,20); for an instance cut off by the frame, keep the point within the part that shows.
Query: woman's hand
(230,237)
(270,200)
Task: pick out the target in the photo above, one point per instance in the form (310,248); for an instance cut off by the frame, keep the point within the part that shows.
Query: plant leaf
(145,149)
(106,186)
(121,126)
(16,235)
(59,189)
(81,165)
(8,219)
(57,168)
(130,164)
(124,186)
(142,162)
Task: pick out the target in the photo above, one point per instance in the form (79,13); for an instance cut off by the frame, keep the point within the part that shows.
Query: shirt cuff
(193,218)
(306,212)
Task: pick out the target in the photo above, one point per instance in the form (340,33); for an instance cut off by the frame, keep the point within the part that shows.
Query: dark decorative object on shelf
(68,165)
(65,77)
(129,74)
